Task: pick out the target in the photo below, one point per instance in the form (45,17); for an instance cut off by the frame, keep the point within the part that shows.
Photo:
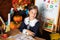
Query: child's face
(32,13)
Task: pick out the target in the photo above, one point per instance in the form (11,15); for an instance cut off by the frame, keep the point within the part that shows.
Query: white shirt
(31,23)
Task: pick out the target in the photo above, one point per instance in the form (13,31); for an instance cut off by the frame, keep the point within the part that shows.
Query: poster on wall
(49,10)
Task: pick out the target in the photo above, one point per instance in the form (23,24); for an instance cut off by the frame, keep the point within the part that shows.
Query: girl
(30,25)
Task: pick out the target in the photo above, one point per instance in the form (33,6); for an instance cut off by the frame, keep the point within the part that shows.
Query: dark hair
(34,7)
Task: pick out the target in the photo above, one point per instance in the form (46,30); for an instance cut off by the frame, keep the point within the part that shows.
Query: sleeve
(22,26)
(36,28)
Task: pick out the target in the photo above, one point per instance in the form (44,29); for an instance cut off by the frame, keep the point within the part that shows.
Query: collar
(30,23)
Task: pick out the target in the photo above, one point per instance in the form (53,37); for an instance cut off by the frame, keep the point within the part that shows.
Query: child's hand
(30,33)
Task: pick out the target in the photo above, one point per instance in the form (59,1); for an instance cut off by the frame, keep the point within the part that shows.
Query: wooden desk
(14,32)
(49,30)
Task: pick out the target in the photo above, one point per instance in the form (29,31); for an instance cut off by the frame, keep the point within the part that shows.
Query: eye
(31,11)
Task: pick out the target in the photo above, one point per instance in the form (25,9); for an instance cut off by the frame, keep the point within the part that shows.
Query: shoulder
(26,20)
(37,23)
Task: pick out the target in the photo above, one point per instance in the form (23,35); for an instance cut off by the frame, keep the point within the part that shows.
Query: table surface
(14,32)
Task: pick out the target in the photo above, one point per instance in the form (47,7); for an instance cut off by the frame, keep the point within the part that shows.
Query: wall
(5,6)
(48,9)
